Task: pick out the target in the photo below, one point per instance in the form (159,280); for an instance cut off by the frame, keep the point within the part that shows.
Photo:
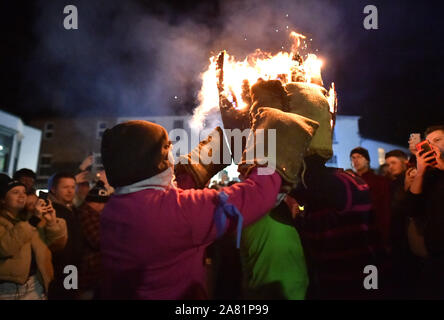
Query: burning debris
(228,81)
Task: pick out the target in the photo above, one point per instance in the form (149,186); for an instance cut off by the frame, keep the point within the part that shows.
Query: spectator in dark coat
(62,194)
(337,231)
(379,192)
(89,215)
(425,204)
(405,265)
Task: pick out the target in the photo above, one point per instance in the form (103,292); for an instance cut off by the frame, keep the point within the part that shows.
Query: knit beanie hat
(98,193)
(6,184)
(24,173)
(362,151)
(133,151)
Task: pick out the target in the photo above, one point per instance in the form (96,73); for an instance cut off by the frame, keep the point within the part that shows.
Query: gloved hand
(285,150)
(208,158)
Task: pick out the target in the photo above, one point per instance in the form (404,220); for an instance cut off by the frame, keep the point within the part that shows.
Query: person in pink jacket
(155,228)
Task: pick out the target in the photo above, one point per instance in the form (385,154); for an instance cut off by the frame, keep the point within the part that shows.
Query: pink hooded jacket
(153,241)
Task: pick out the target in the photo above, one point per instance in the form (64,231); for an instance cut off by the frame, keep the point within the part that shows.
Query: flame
(284,66)
(332,99)
(297,42)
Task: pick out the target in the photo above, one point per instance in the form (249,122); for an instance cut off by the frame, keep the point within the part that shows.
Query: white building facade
(19,144)
(346,137)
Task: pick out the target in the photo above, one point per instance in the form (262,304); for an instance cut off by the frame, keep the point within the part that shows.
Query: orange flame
(332,99)
(284,66)
(297,40)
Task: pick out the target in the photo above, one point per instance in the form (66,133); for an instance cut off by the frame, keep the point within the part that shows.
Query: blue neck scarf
(223,210)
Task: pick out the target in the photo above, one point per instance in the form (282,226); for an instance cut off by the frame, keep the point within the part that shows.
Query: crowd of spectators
(41,235)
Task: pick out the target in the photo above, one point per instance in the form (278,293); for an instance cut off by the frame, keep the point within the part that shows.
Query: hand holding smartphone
(425,147)
(44,196)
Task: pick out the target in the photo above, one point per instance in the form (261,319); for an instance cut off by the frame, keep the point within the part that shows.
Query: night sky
(133,57)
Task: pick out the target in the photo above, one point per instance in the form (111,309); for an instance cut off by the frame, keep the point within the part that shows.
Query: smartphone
(34,221)
(44,195)
(424,147)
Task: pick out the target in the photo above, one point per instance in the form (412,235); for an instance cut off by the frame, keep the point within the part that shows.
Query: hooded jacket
(153,241)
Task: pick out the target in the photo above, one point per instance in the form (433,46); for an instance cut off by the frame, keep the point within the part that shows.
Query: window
(6,142)
(45,169)
(48,131)
(101,127)
(381,156)
(178,124)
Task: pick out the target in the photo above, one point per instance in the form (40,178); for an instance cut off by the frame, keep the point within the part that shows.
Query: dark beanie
(133,151)
(6,184)
(24,173)
(98,193)
(362,151)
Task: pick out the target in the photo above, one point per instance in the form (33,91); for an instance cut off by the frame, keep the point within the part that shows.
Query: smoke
(130,58)
(267,25)
(251,25)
